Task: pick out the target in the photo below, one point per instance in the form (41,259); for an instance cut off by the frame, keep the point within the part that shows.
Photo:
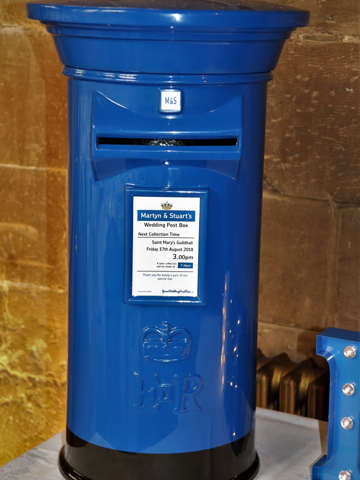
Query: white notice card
(165,246)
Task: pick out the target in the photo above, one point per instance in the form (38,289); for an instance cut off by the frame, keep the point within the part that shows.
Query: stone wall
(33,234)
(310,259)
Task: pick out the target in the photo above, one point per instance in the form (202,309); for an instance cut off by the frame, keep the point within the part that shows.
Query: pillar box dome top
(168,36)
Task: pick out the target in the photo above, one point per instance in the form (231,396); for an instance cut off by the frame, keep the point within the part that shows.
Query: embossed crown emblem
(166,206)
(165,344)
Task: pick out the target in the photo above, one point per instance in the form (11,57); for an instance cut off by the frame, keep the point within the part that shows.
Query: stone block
(33,353)
(313,122)
(298,343)
(329,18)
(33,226)
(33,100)
(294,262)
(347,309)
(13,12)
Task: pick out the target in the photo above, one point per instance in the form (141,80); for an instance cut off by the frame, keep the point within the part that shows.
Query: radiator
(298,388)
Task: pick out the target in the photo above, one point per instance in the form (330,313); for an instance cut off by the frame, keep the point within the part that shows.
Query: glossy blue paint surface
(105,361)
(175,377)
(169,41)
(195,14)
(132,114)
(343,445)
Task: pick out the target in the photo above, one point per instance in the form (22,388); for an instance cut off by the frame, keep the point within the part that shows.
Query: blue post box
(166,143)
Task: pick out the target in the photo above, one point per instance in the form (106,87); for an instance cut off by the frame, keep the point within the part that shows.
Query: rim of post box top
(235,14)
(168,37)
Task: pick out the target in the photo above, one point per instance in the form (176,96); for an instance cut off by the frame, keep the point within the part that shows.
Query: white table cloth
(287,446)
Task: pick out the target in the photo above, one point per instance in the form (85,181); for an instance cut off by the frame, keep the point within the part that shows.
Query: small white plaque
(166,246)
(170,101)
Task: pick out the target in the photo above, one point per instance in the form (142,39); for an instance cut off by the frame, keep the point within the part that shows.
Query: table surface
(287,446)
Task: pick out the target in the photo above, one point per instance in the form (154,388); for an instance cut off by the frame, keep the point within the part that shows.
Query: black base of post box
(91,462)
